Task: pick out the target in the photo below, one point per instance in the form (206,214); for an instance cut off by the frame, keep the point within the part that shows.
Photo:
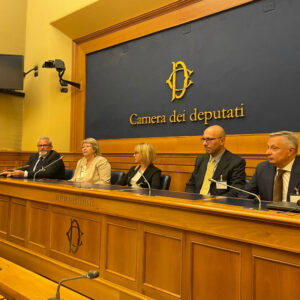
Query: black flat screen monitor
(11,72)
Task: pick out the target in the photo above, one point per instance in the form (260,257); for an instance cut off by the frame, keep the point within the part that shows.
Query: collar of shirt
(217,157)
(288,167)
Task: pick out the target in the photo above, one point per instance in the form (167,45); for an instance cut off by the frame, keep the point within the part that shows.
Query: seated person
(144,156)
(93,167)
(47,163)
(277,178)
(217,163)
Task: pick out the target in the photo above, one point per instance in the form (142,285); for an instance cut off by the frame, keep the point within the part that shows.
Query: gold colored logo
(178,67)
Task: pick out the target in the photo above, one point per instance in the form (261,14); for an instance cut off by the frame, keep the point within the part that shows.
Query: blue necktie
(39,164)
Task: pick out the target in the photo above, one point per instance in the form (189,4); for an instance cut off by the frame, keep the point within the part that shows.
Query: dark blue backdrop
(249,55)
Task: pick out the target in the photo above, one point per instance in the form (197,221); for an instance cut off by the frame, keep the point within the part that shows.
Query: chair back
(165,181)
(116,176)
(69,173)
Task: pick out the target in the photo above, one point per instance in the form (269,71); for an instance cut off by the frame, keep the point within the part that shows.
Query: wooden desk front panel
(163,250)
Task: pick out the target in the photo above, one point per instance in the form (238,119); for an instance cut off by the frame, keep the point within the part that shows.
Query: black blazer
(55,171)
(231,167)
(152,174)
(262,181)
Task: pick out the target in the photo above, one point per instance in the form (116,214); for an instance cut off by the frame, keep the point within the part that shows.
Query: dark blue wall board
(246,76)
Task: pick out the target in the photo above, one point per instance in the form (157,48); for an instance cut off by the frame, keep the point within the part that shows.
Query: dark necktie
(39,164)
(278,186)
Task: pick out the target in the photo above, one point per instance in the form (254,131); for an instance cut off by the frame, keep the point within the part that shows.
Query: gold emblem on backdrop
(178,93)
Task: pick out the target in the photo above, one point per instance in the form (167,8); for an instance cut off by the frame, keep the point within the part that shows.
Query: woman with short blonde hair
(137,176)
(93,167)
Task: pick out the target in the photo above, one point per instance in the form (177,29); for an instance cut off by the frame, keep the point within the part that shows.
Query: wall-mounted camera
(59,65)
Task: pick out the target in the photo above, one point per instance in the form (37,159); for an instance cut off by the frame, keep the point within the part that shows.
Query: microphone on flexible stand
(22,167)
(149,186)
(238,189)
(11,170)
(43,169)
(89,275)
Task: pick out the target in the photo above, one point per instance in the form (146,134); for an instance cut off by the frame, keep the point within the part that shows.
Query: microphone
(43,169)
(149,187)
(26,166)
(11,170)
(89,275)
(238,189)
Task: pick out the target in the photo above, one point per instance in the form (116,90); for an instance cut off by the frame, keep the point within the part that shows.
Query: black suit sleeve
(154,180)
(190,187)
(126,177)
(251,187)
(237,178)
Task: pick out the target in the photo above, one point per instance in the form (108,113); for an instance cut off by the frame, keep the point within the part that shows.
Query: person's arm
(125,178)
(20,172)
(56,170)
(251,187)
(104,170)
(155,179)
(190,187)
(238,178)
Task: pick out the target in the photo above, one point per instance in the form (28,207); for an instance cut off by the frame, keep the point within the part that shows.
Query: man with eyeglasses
(44,164)
(278,177)
(219,164)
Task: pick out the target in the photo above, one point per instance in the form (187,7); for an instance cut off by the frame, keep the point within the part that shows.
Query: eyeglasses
(208,140)
(44,145)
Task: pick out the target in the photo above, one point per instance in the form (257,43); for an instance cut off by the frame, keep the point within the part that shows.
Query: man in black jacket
(219,164)
(47,163)
(282,166)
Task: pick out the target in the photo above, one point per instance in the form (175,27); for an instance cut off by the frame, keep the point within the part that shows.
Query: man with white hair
(44,164)
(277,178)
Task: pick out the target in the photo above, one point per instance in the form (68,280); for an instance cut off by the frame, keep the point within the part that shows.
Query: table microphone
(89,275)
(11,170)
(238,189)
(43,169)
(22,167)
(149,186)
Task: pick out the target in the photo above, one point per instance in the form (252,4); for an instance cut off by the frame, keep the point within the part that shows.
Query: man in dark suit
(44,164)
(219,164)
(282,166)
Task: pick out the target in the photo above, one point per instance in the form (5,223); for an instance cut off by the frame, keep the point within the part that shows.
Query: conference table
(150,244)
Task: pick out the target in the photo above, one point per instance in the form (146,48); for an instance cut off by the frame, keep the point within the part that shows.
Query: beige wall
(25,29)
(12,41)
(46,110)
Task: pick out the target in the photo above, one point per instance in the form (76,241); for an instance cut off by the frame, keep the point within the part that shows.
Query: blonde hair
(147,153)
(94,144)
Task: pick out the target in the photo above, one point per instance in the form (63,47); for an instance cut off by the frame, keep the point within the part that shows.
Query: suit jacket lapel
(295,177)
(269,180)
(223,163)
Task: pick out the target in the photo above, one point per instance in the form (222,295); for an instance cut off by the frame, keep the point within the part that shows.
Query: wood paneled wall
(178,165)
(175,155)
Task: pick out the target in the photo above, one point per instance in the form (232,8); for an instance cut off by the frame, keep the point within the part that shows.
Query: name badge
(221,185)
(294,198)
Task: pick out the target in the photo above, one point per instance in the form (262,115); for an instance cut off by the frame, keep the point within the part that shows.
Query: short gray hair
(290,137)
(45,138)
(94,144)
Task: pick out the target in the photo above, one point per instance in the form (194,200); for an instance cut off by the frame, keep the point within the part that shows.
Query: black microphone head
(298,202)
(92,274)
